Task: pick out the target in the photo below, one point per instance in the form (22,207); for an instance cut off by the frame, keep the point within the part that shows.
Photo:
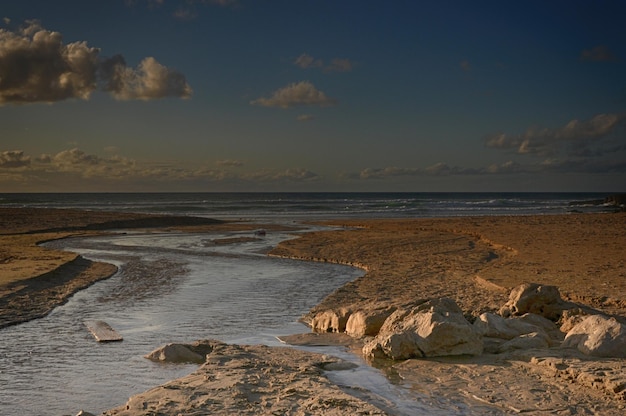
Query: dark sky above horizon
(326,95)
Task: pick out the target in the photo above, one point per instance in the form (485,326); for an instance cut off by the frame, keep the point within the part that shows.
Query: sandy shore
(475,261)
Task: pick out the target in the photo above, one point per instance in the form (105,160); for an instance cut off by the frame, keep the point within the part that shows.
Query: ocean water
(296,206)
(174,287)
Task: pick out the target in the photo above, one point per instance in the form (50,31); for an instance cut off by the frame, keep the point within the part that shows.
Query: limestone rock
(435,328)
(534,298)
(176,353)
(494,326)
(525,342)
(330,321)
(367,322)
(599,336)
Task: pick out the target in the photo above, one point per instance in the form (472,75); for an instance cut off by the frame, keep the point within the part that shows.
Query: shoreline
(475,260)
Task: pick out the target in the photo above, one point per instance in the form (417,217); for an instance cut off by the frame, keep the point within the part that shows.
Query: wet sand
(475,261)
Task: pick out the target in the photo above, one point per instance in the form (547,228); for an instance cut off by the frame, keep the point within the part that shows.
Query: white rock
(599,336)
(435,328)
(362,323)
(175,353)
(526,342)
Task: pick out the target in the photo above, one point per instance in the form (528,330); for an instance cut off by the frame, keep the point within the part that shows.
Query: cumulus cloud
(600,53)
(149,81)
(575,138)
(296,94)
(36,66)
(306,61)
(12,159)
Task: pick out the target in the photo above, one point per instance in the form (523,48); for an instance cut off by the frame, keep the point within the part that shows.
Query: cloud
(305,117)
(74,166)
(230,163)
(575,138)
(296,94)
(466,66)
(600,53)
(149,81)
(12,159)
(36,66)
(288,175)
(306,61)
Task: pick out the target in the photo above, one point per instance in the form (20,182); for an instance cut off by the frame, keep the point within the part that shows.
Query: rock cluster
(535,316)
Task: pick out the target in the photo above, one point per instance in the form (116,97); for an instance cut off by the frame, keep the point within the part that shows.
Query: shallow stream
(170,288)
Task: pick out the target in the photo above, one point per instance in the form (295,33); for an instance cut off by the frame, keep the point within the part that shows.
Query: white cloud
(149,81)
(297,94)
(36,66)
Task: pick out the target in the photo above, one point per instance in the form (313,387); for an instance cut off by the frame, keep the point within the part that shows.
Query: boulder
(176,353)
(330,321)
(526,342)
(599,336)
(367,322)
(534,298)
(495,326)
(432,329)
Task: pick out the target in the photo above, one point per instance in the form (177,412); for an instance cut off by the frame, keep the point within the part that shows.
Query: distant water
(318,205)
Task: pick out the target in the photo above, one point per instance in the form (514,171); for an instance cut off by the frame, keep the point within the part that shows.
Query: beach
(476,261)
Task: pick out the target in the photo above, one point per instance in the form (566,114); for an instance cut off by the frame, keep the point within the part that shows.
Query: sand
(475,261)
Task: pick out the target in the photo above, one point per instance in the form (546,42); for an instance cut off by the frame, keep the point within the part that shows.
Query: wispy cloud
(576,138)
(36,66)
(600,53)
(297,94)
(305,117)
(76,165)
(231,163)
(306,61)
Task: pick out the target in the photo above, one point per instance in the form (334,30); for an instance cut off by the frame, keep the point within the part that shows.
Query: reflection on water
(170,288)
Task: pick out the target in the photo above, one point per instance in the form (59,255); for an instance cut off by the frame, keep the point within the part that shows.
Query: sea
(316,205)
(181,287)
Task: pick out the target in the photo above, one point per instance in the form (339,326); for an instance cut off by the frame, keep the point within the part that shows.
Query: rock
(176,353)
(330,321)
(495,326)
(435,328)
(534,298)
(525,342)
(367,322)
(599,336)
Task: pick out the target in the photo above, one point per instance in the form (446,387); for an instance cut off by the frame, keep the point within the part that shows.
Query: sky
(312,95)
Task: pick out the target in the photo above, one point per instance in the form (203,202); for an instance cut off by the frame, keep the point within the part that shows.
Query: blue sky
(295,95)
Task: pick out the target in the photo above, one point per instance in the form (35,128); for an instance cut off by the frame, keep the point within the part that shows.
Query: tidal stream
(170,287)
